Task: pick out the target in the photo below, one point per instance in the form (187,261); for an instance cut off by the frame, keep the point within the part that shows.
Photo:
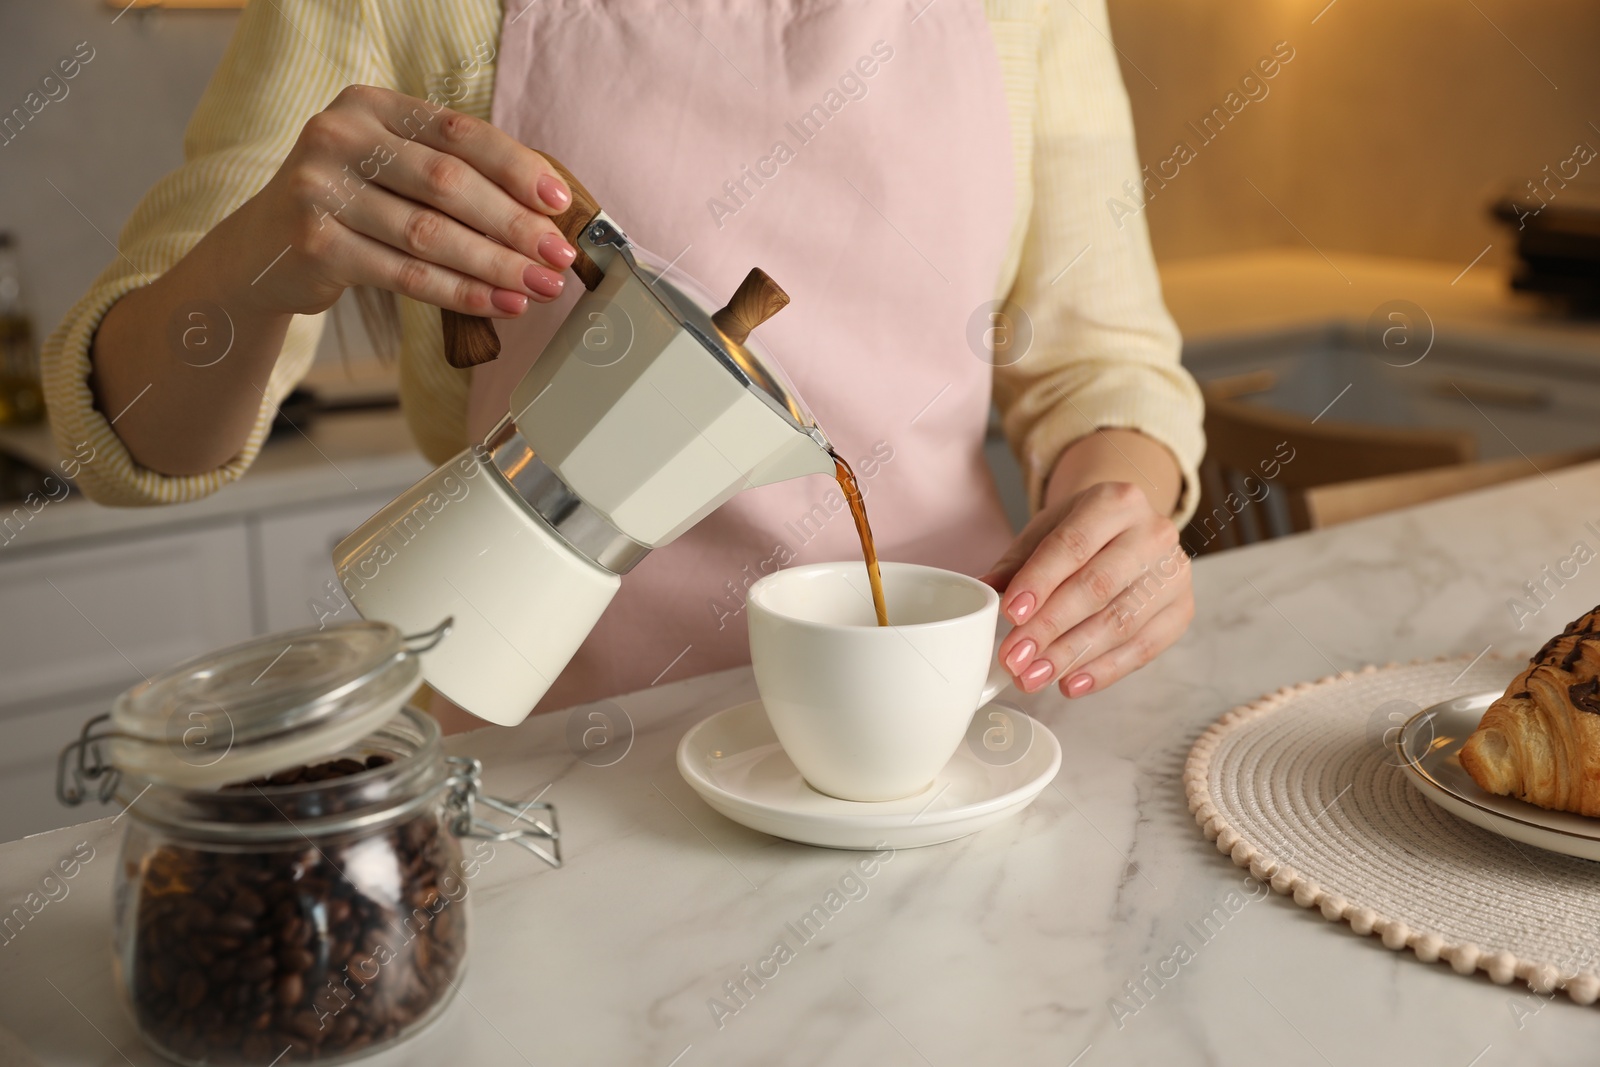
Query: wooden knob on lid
(757,299)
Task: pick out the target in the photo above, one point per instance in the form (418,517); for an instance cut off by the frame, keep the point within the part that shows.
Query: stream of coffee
(858,511)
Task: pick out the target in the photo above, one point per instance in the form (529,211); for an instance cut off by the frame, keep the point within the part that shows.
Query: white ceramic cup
(870,712)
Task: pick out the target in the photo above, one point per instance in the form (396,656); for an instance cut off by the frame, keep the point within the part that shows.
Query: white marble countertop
(1004,948)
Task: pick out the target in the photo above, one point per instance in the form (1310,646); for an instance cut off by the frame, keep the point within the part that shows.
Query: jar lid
(265,705)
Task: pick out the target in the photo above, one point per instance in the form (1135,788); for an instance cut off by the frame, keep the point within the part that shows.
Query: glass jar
(273,910)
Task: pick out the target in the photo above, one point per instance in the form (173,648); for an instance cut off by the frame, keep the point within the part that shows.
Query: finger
(523,173)
(384,137)
(1111,626)
(1097,515)
(364,261)
(1155,637)
(453,186)
(1090,590)
(428,234)
(1005,568)
(1093,586)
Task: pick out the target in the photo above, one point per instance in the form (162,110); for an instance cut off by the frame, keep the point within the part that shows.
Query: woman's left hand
(1098,586)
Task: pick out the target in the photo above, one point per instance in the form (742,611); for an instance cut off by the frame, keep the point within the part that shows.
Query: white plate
(733,760)
(1430,744)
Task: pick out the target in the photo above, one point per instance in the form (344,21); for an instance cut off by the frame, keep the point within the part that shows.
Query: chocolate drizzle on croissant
(1585,696)
(1540,742)
(1570,660)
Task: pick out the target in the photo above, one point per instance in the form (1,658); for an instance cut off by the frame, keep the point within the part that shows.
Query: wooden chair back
(1331,505)
(1260,463)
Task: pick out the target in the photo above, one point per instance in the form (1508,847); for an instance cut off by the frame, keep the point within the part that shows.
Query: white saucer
(733,760)
(1430,746)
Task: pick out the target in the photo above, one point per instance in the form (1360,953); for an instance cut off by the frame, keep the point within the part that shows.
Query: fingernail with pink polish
(509,302)
(1079,684)
(553,193)
(544,281)
(1037,675)
(554,250)
(1021,655)
(1021,606)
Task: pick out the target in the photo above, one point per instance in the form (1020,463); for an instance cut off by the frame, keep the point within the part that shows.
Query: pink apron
(863,160)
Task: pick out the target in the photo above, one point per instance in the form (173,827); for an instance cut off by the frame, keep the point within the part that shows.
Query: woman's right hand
(380,189)
(385,190)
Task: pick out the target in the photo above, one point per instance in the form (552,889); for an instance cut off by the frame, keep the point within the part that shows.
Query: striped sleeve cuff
(107,473)
(1163,412)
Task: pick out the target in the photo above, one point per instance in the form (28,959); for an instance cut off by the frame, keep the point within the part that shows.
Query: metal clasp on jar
(466,792)
(83,761)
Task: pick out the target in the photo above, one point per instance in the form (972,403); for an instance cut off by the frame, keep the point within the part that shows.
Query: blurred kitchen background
(1327,239)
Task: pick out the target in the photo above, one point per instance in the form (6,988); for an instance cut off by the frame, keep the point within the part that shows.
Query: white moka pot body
(460,544)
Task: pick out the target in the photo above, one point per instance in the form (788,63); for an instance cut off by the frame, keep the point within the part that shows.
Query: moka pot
(648,408)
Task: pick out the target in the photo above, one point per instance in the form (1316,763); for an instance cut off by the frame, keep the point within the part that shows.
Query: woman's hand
(388,191)
(1097,585)
(381,190)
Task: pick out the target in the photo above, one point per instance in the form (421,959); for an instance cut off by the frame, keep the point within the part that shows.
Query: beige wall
(1394,124)
(73,175)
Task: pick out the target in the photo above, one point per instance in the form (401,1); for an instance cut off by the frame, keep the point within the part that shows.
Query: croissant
(1540,742)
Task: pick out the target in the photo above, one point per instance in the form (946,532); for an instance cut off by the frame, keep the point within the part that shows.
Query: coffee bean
(306,1024)
(294,931)
(291,987)
(191,989)
(234,923)
(346,1028)
(248,904)
(256,968)
(295,962)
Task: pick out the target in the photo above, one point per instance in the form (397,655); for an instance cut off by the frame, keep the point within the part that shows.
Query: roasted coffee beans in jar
(260,928)
(291,886)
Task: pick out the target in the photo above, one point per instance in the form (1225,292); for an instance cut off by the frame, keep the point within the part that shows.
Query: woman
(900,169)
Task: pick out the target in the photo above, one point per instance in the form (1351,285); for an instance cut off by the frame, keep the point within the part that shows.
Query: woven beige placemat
(1300,787)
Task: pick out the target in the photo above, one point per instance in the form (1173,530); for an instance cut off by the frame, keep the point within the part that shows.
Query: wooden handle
(470,339)
(757,299)
(575,220)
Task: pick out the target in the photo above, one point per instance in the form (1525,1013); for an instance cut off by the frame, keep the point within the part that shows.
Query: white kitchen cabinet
(100,615)
(295,555)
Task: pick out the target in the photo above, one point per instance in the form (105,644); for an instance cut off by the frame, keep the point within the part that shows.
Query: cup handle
(999,677)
